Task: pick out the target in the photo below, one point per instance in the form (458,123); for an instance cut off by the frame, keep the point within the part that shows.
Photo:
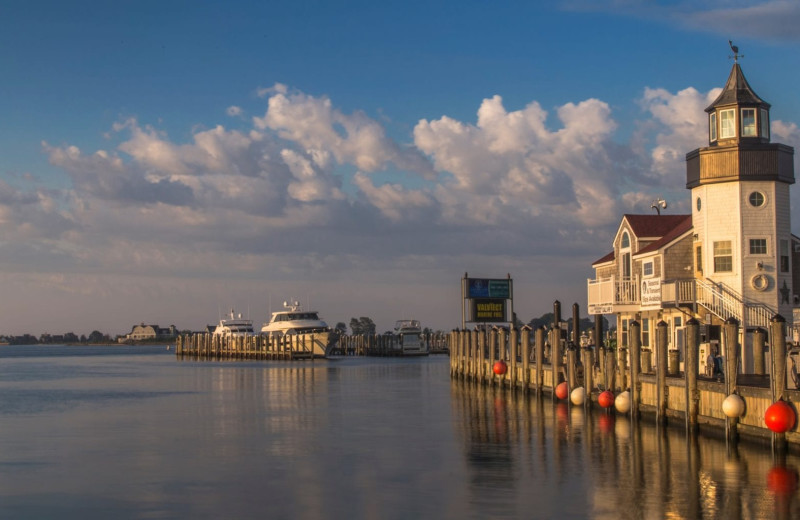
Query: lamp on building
(760,266)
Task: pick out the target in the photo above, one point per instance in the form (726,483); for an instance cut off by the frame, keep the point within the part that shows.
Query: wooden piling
(730,340)
(635,335)
(661,372)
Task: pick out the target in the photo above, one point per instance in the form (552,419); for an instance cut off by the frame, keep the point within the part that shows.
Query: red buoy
(562,390)
(606,399)
(500,367)
(780,417)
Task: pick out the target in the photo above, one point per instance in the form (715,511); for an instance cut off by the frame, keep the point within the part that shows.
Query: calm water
(131,432)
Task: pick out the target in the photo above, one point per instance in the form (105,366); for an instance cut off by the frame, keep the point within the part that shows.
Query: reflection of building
(144,332)
(733,257)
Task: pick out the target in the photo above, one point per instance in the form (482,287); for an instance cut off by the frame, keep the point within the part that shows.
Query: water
(131,432)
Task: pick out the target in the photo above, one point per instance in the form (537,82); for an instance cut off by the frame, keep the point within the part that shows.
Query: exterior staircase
(725,303)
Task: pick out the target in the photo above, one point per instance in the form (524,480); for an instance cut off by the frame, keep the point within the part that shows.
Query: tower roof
(737,92)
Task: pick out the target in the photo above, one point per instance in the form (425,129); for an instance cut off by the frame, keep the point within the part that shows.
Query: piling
(759,344)
(690,370)
(526,358)
(778,377)
(661,372)
(635,335)
(730,340)
(541,333)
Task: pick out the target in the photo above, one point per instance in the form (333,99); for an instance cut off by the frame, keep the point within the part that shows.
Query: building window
(699,204)
(727,123)
(764,124)
(723,257)
(756,199)
(712,127)
(784,256)
(647,268)
(748,122)
(758,246)
(626,241)
(698,259)
(624,337)
(645,332)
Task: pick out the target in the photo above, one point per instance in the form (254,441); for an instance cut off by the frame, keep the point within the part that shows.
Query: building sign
(601,308)
(488,309)
(488,288)
(651,293)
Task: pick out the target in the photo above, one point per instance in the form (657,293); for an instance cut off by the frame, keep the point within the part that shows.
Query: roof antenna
(658,205)
(735,50)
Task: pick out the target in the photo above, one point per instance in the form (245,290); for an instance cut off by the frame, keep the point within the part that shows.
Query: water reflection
(597,465)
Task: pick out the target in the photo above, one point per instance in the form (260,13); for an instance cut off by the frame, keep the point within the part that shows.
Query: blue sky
(160,161)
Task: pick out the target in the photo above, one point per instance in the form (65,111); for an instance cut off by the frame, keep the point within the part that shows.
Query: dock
(538,361)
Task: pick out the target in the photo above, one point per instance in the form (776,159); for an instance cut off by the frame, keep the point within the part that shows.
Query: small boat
(235,325)
(409,337)
(308,334)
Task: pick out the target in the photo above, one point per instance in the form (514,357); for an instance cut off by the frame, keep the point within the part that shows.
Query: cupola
(738,114)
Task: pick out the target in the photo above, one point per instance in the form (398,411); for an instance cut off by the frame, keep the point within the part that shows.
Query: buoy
(561,390)
(623,402)
(780,417)
(733,406)
(606,399)
(782,481)
(578,396)
(500,367)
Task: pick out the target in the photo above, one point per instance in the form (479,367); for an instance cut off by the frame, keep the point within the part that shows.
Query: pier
(731,403)
(294,347)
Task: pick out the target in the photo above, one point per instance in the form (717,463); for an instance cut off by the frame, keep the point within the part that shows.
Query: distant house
(143,332)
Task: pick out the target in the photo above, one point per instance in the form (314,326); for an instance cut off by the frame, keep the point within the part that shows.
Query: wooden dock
(538,361)
(291,347)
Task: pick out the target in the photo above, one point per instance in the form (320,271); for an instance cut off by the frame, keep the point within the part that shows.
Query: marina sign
(488,309)
(488,288)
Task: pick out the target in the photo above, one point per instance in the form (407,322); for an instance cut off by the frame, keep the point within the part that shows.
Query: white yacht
(309,333)
(235,325)
(409,336)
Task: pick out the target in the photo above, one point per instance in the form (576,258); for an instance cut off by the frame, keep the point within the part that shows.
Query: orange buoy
(562,390)
(606,399)
(500,367)
(780,417)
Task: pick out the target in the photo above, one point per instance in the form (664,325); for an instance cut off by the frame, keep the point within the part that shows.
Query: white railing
(610,291)
(726,303)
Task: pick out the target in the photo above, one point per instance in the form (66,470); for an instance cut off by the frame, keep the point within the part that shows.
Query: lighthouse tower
(740,207)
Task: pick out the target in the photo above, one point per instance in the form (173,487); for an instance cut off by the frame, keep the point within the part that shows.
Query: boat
(235,325)
(410,339)
(307,333)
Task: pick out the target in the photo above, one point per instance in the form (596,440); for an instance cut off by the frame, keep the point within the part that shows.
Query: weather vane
(735,50)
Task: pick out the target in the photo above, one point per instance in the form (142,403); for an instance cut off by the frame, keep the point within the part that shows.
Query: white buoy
(578,396)
(733,406)
(623,402)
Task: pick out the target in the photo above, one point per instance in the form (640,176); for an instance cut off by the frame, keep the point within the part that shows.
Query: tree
(341,328)
(97,337)
(362,325)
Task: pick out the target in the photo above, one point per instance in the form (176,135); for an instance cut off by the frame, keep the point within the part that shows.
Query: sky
(162,162)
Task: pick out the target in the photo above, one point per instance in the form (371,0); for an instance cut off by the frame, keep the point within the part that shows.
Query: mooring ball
(561,390)
(500,367)
(780,417)
(623,402)
(606,399)
(578,396)
(733,406)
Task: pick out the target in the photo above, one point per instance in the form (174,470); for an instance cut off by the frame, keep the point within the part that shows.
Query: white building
(733,257)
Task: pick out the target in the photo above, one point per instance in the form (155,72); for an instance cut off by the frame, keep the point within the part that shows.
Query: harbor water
(132,432)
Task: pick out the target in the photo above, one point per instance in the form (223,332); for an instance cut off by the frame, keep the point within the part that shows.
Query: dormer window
(764,124)
(727,123)
(712,127)
(748,122)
